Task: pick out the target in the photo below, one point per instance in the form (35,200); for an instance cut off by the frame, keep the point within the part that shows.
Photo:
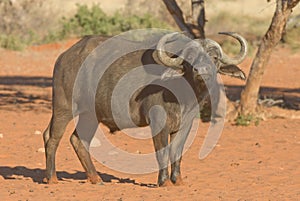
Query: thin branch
(177,14)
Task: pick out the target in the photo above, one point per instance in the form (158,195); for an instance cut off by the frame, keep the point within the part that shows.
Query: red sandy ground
(249,163)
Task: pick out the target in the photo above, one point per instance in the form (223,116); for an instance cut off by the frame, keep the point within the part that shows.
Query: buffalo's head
(195,54)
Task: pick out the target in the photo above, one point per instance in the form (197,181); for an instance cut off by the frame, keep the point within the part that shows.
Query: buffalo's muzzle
(203,72)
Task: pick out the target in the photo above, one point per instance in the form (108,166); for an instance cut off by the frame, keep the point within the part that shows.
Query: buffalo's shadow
(37,176)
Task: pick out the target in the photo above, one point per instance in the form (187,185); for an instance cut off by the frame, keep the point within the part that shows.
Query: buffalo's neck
(199,87)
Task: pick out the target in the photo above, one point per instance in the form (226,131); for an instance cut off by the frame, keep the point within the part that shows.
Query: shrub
(88,21)
(246,120)
(11,42)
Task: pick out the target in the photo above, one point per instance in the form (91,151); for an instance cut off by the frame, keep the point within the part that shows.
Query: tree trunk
(192,25)
(198,18)
(249,96)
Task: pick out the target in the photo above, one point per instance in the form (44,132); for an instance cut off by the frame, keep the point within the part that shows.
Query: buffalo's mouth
(205,77)
(203,72)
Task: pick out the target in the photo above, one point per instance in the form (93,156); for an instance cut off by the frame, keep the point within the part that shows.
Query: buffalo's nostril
(206,77)
(205,69)
(201,70)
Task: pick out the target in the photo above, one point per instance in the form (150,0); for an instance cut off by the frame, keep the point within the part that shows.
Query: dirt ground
(249,163)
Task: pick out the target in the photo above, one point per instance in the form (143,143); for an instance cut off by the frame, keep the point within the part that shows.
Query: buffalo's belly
(119,120)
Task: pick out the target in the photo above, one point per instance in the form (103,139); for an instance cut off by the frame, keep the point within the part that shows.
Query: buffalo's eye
(196,70)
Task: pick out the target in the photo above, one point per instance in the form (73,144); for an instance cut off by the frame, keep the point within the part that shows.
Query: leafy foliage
(11,42)
(87,21)
(246,120)
(93,20)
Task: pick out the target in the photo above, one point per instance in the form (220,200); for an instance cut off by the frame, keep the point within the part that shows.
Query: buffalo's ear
(233,71)
(172,73)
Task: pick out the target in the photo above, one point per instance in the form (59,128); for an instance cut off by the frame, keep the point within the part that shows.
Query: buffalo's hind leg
(52,137)
(177,144)
(85,159)
(81,139)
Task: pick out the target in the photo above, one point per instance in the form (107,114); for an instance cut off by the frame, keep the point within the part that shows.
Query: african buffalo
(197,62)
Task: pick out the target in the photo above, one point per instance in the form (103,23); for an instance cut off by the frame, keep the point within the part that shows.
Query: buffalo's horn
(212,45)
(162,55)
(243,51)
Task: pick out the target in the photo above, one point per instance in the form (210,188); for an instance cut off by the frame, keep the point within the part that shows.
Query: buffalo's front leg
(176,147)
(160,136)
(162,155)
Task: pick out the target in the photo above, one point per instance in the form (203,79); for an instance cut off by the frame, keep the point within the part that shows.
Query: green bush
(89,21)
(86,21)
(12,42)
(246,120)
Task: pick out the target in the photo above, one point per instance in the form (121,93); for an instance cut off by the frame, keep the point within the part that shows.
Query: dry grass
(250,18)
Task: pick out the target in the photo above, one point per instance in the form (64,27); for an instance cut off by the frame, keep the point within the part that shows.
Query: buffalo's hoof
(177,180)
(52,180)
(166,183)
(95,179)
